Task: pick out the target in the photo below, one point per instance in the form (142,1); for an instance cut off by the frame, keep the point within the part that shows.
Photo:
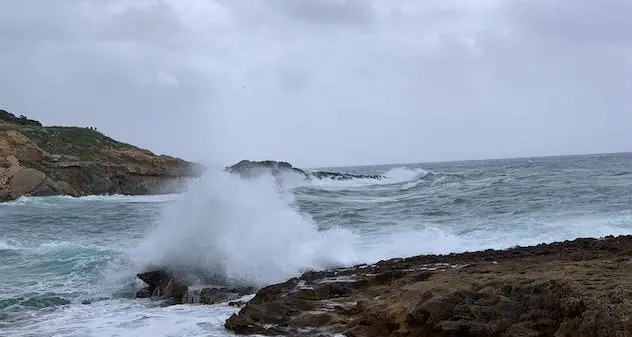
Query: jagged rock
(572,288)
(144,293)
(237,304)
(210,296)
(247,168)
(162,284)
(213,295)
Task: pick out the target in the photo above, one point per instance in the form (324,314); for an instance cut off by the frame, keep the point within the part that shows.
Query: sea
(68,265)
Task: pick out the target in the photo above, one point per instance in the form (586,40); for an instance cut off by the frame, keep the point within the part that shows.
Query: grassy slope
(83,143)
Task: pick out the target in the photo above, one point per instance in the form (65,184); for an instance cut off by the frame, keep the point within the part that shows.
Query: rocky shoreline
(581,287)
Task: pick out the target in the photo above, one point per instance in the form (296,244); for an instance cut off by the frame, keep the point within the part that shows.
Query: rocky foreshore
(573,288)
(37,160)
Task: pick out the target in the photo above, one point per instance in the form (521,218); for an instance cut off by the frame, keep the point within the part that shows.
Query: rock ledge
(573,288)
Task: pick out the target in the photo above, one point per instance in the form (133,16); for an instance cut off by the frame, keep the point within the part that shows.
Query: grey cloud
(155,23)
(328,11)
(582,22)
(328,82)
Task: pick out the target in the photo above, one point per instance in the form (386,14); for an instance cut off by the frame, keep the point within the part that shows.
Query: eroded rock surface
(575,288)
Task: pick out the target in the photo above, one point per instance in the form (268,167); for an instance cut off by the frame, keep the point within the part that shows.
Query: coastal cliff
(37,160)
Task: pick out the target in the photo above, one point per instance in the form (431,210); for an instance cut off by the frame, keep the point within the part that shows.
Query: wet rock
(162,284)
(175,287)
(573,288)
(237,304)
(144,293)
(211,295)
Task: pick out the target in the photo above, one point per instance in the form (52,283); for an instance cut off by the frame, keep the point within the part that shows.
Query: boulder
(162,284)
(26,180)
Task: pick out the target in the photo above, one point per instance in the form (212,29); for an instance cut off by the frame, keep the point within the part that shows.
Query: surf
(243,230)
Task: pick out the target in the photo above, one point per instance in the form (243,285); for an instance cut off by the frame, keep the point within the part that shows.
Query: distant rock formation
(247,168)
(38,160)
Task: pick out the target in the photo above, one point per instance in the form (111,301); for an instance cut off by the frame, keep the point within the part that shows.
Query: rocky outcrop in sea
(248,168)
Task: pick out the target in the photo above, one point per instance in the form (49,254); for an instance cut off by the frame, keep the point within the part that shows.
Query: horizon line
(475,160)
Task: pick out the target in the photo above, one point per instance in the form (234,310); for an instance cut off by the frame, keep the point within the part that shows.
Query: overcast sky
(327,82)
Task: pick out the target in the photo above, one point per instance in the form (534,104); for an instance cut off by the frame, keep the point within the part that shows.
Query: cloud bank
(327,82)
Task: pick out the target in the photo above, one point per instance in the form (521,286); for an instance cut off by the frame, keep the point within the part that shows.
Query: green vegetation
(7,117)
(82,142)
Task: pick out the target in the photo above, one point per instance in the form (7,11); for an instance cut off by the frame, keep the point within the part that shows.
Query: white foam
(9,245)
(156,198)
(403,240)
(52,201)
(245,229)
(129,318)
(392,176)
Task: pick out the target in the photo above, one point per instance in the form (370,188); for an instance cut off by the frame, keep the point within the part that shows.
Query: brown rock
(26,181)
(211,296)
(573,288)
(4,163)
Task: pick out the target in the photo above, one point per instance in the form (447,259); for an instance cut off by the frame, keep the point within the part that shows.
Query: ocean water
(67,265)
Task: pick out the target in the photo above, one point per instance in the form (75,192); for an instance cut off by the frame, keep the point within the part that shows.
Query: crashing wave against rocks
(247,168)
(572,288)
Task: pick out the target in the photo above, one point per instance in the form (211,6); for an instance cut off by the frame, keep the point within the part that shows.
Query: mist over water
(246,231)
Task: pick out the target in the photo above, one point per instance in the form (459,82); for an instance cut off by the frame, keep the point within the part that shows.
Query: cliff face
(40,161)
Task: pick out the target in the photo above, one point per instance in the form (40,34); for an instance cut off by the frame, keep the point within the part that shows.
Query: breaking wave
(241,230)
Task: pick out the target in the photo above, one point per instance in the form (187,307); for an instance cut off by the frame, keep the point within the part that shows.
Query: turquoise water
(67,265)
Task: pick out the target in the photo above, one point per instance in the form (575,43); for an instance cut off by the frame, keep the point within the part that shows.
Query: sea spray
(242,230)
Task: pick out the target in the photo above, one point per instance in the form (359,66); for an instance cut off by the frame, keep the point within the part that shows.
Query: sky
(327,82)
